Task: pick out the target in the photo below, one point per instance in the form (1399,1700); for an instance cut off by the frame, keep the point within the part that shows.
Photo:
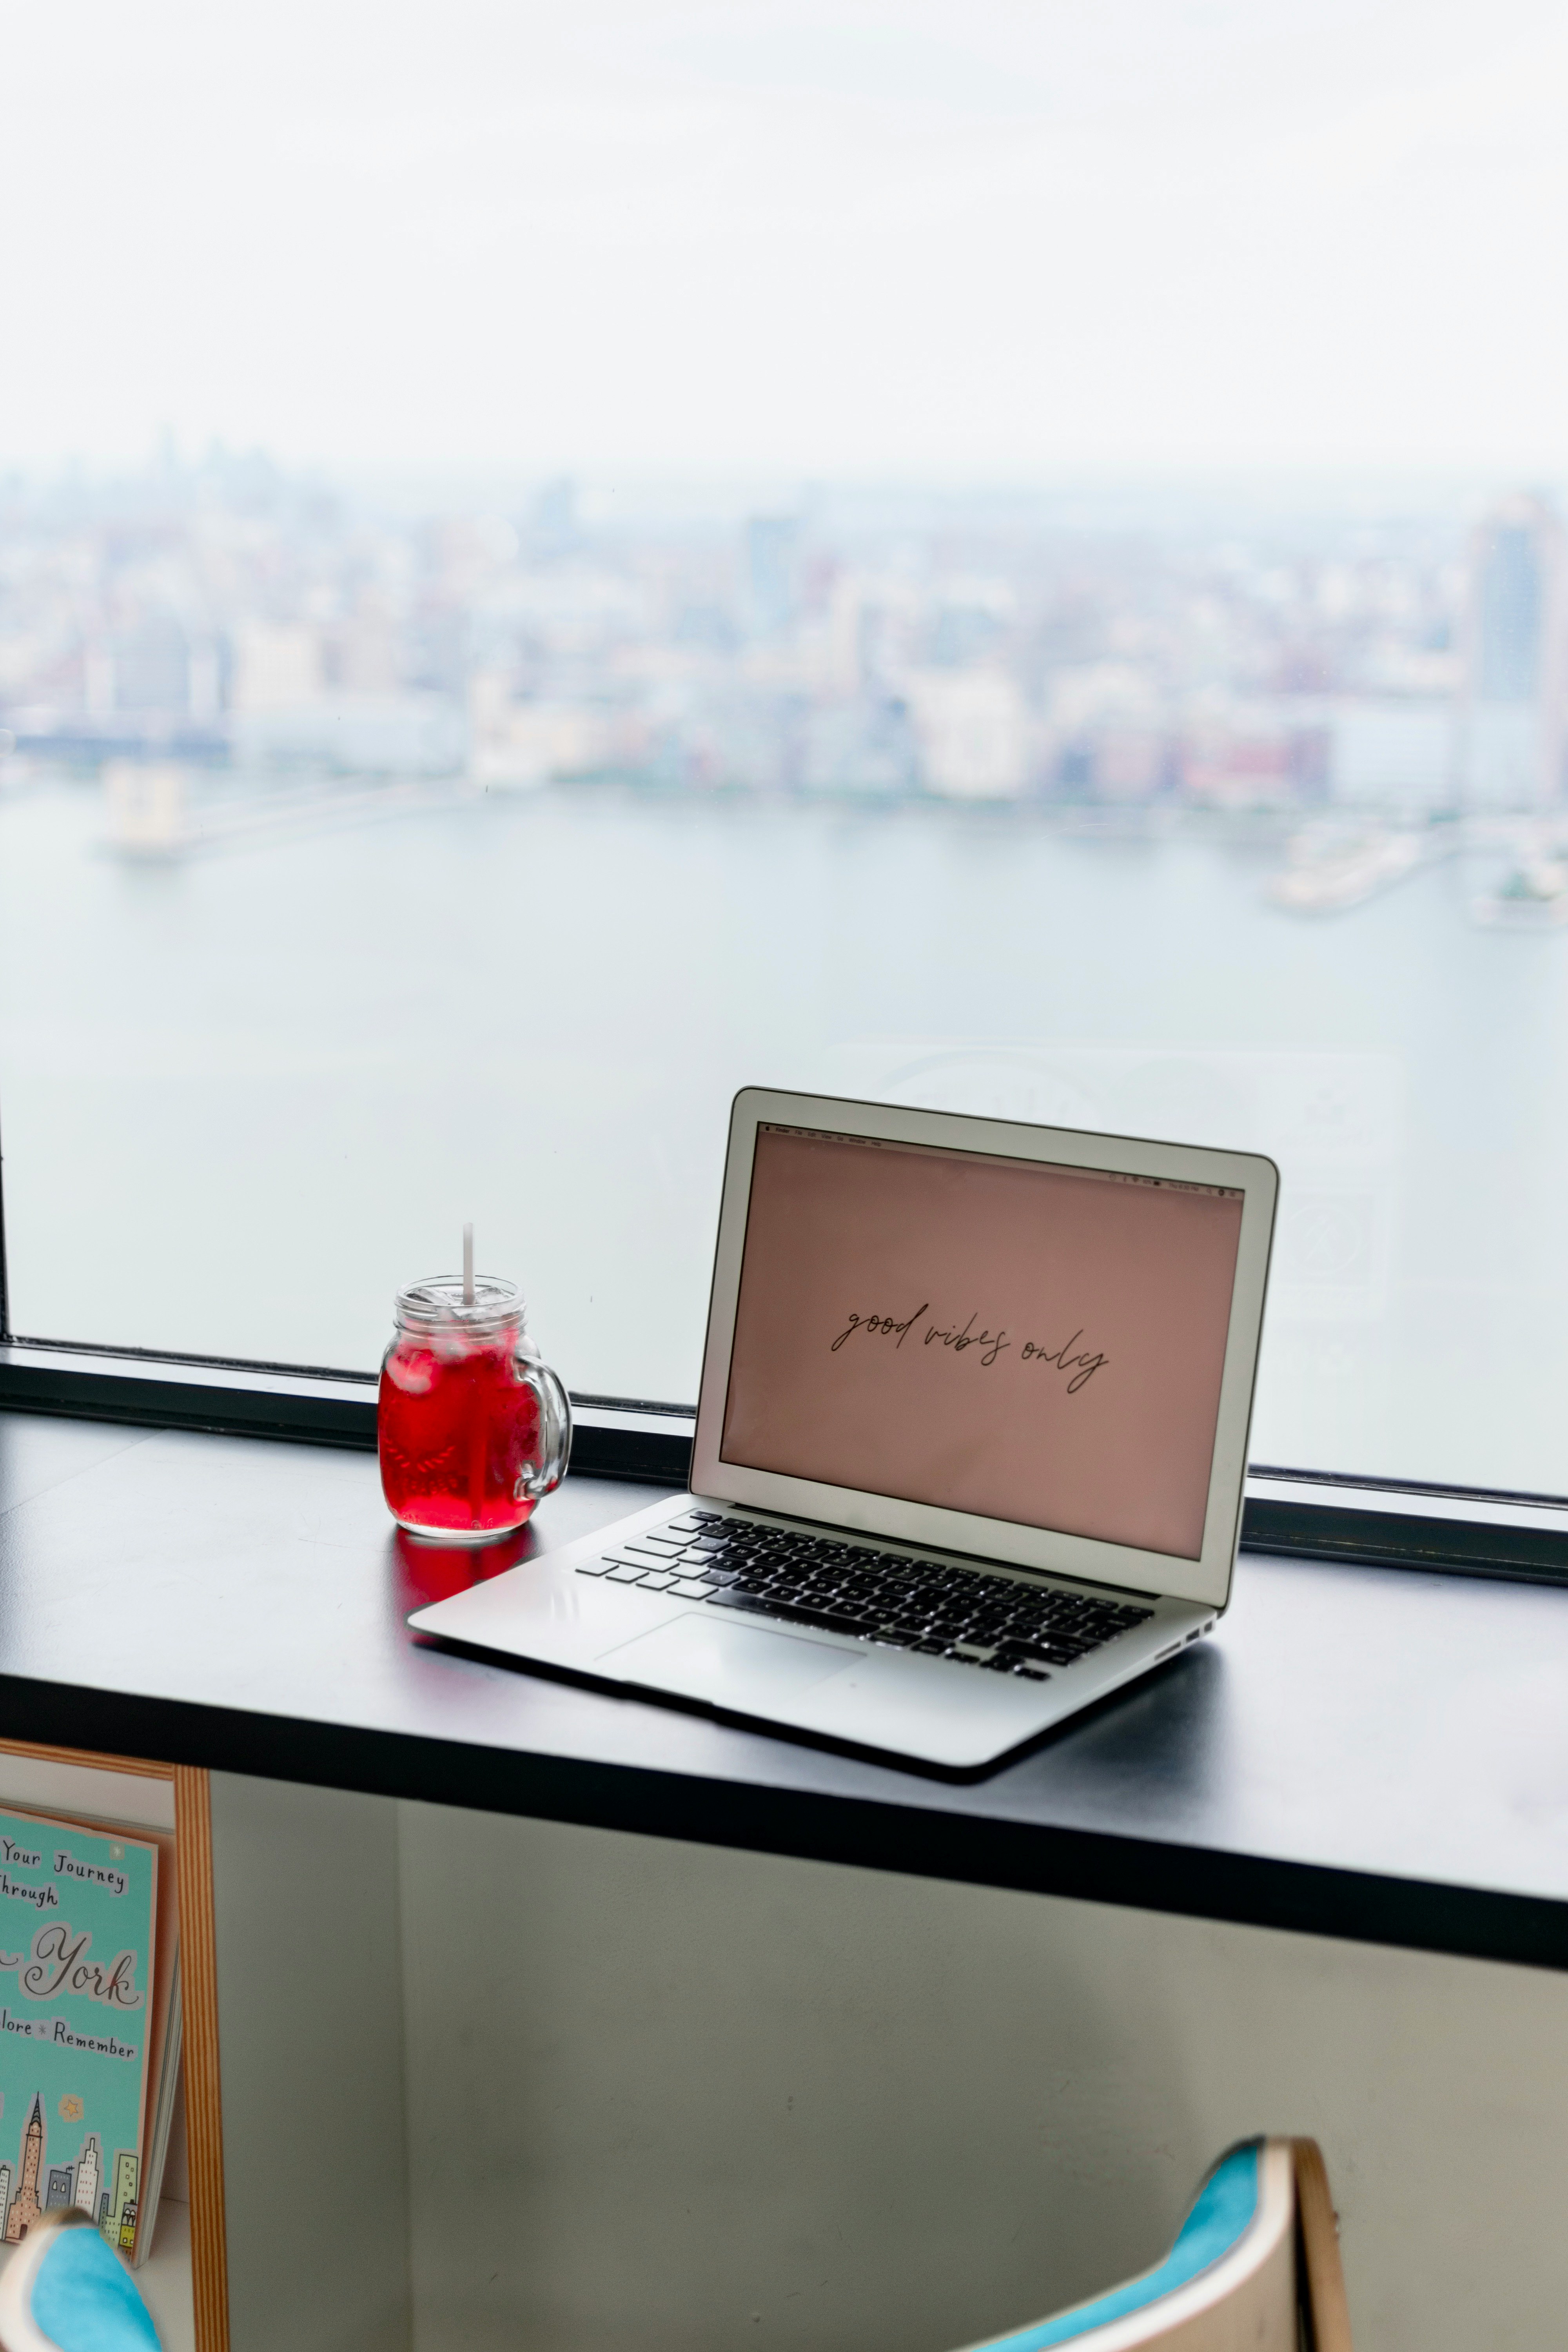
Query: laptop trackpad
(744,1665)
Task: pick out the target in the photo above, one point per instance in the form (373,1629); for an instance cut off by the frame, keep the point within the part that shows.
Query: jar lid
(437,1304)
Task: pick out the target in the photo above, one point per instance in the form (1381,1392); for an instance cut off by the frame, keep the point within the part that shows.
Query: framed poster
(108,1983)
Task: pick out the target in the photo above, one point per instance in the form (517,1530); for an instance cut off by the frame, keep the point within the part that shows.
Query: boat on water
(1326,876)
(1532,897)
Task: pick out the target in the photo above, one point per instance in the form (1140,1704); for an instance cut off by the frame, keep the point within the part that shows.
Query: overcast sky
(985,240)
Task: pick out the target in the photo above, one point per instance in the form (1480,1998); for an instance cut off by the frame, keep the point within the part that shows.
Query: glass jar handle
(540,1476)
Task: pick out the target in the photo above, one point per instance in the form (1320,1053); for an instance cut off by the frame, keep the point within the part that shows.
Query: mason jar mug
(472,1427)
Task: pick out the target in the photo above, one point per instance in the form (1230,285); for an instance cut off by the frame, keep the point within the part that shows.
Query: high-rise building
(1511,710)
(89,2174)
(121,2196)
(772,572)
(972,730)
(555,529)
(59,2186)
(24,2206)
(277,666)
(5,2196)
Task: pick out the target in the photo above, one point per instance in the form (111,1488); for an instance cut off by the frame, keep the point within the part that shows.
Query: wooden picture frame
(198,1993)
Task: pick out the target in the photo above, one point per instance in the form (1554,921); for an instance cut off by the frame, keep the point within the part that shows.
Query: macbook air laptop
(970,1444)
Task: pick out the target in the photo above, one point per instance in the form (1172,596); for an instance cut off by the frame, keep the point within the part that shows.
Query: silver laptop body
(970,1444)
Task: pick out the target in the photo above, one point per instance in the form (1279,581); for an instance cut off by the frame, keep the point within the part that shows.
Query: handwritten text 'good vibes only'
(1082,1365)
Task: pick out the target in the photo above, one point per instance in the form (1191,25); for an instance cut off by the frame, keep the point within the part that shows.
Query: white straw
(468,1265)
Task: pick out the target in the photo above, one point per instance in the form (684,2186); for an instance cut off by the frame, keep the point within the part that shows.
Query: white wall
(305,1886)
(661,2095)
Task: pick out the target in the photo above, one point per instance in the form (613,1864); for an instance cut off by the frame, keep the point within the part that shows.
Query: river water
(247,1092)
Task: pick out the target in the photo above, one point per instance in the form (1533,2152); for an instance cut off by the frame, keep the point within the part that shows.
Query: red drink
(472,1429)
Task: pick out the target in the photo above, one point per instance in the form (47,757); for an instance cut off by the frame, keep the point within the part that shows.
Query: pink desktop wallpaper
(1032,1343)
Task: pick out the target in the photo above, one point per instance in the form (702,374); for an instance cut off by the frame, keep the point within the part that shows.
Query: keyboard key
(693,1588)
(790,1613)
(656,1581)
(627,1571)
(594,1566)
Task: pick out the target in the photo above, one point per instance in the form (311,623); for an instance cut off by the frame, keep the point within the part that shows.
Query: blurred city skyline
(1236,648)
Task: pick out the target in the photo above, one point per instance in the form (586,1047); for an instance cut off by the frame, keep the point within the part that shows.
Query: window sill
(237,1400)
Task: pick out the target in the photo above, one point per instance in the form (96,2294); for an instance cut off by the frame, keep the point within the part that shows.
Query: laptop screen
(1024,1342)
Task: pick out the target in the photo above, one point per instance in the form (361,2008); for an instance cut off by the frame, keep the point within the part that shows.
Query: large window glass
(557,563)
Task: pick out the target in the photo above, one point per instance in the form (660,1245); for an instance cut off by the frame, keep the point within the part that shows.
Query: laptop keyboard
(998,1623)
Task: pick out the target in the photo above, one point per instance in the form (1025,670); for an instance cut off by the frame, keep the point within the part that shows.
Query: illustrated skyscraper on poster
(78,1916)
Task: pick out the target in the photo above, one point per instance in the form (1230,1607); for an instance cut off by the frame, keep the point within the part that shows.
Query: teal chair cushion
(1221,2217)
(85,2299)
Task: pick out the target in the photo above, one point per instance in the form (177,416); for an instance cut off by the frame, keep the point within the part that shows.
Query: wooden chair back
(1255,2268)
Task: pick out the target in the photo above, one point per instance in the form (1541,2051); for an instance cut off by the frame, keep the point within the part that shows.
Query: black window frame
(1307,1514)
